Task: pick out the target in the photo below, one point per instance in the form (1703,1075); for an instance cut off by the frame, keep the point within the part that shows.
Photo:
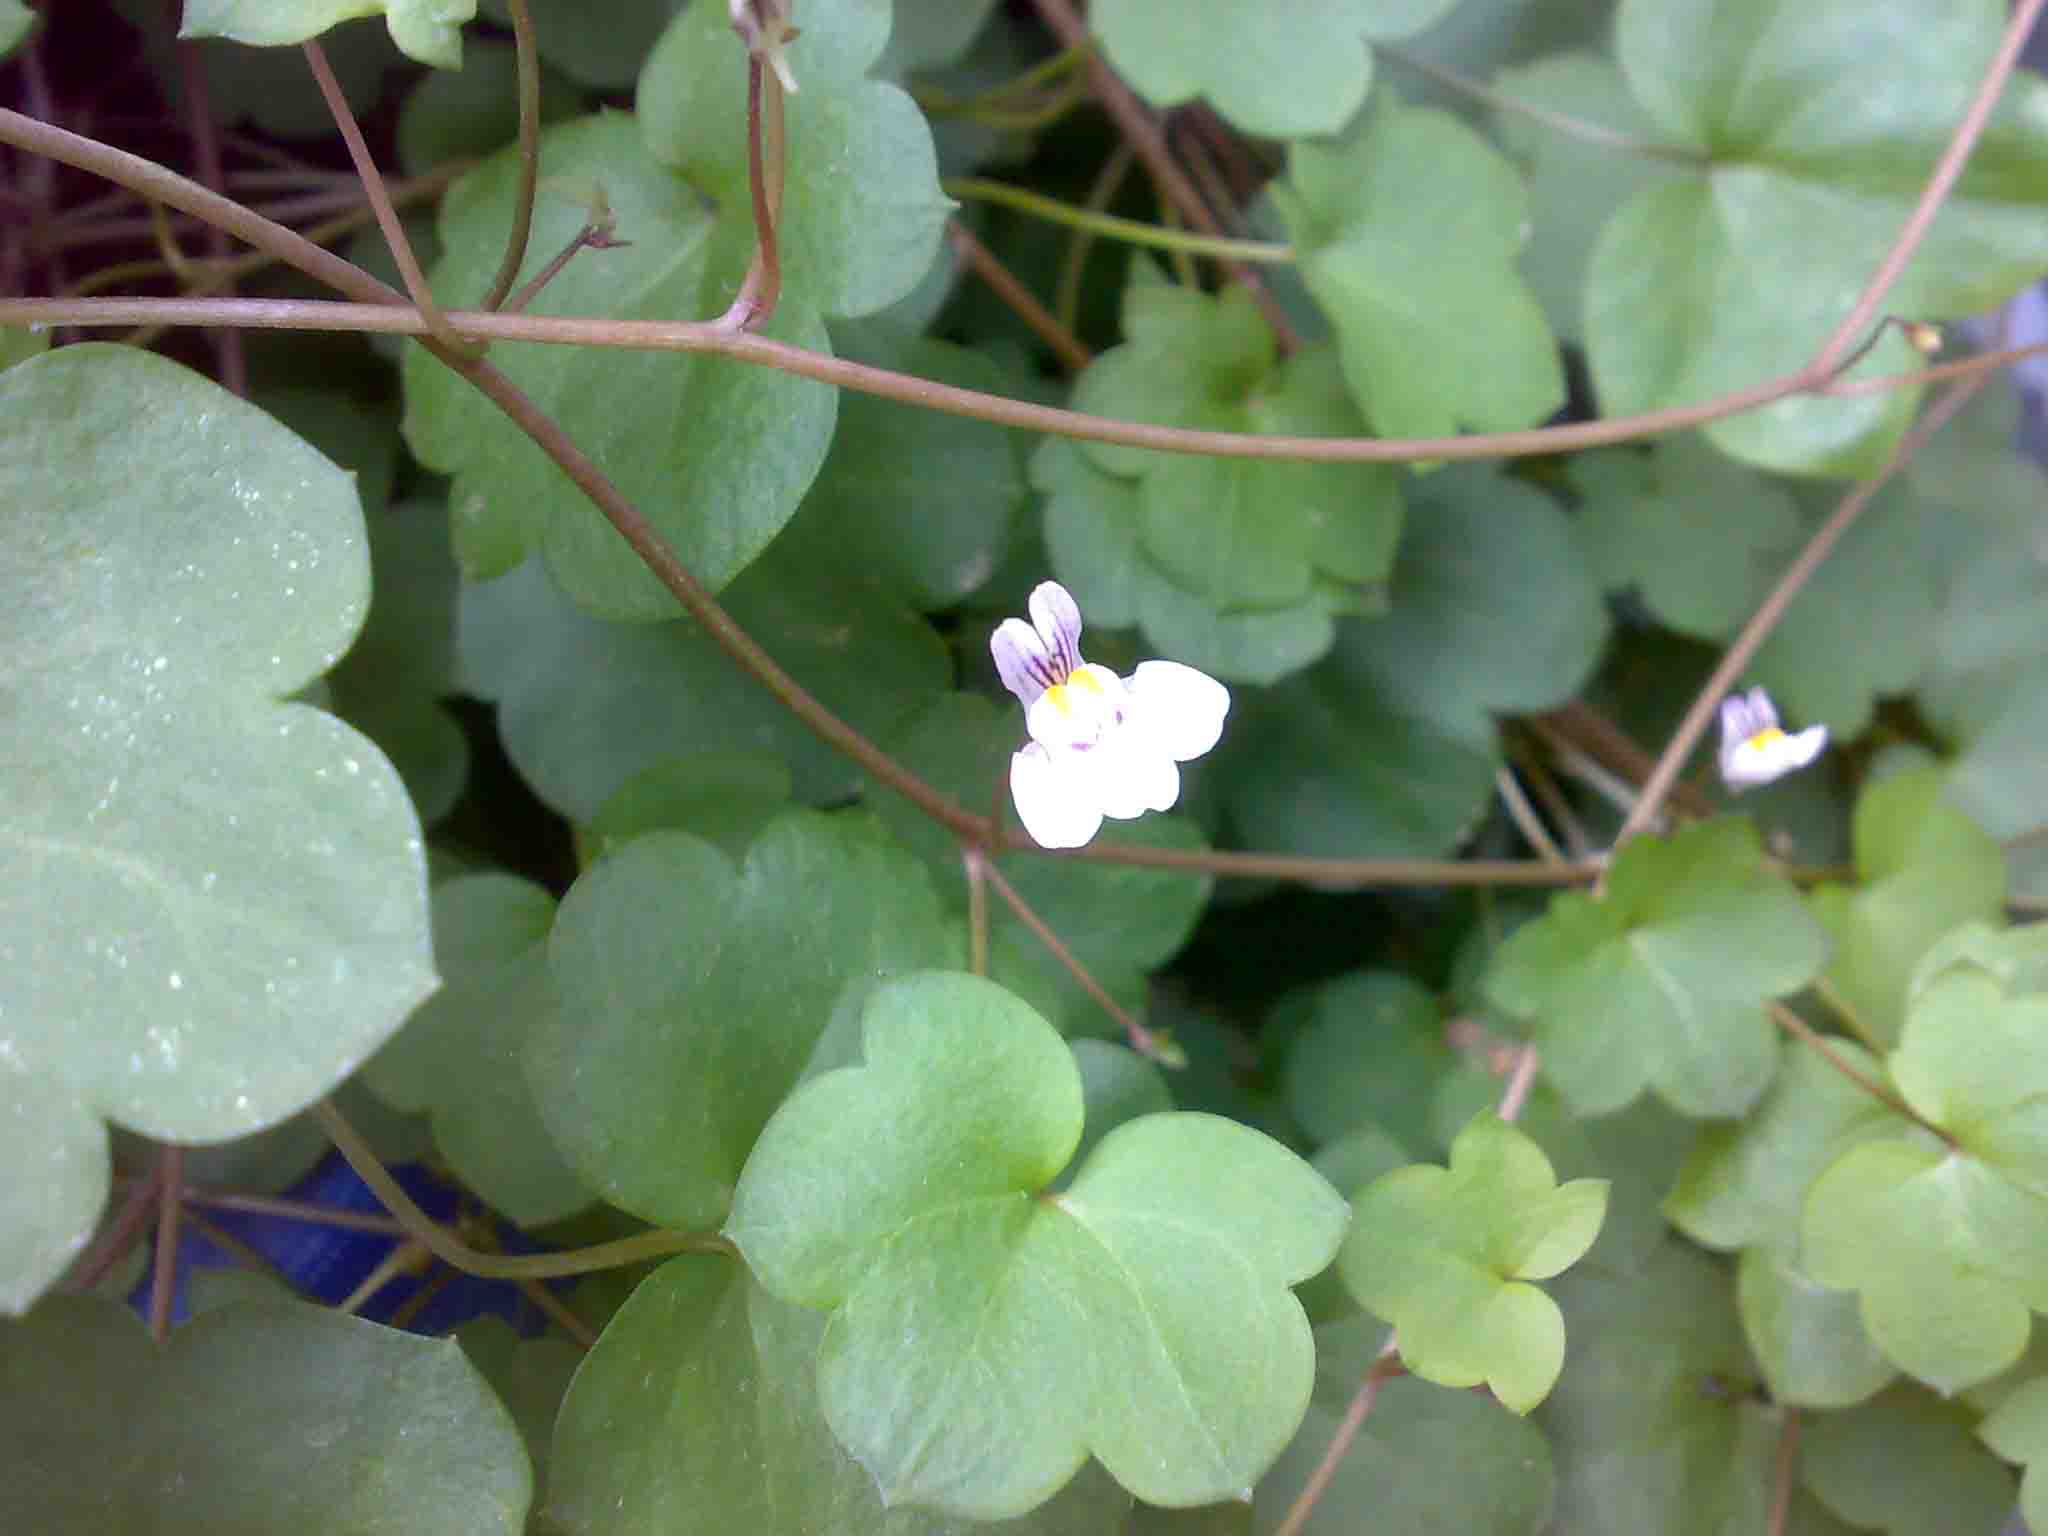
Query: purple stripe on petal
(1058,620)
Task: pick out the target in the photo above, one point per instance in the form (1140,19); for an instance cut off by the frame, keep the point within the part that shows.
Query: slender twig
(1559,122)
(1368,1393)
(163,1279)
(1195,151)
(529,157)
(292,1210)
(596,237)
(409,1257)
(119,1238)
(762,286)
(1746,644)
(1785,1469)
(1818,1043)
(407,1312)
(1142,1040)
(1524,816)
(975,863)
(499,1266)
(1065,345)
(1960,368)
(1578,724)
(244,1254)
(558,1312)
(1130,231)
(1140,130)
(1520,1080)
(228,351)
(380,199)
(1067,298)
(1940,182)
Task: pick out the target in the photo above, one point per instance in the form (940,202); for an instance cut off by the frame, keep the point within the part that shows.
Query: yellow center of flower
(1769,736)
(1058,691)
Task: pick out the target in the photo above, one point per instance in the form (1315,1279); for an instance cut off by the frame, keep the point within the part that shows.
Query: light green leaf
(922,500)
(216,901)
(1387,749)
(1744,1183)
(101,1432)
(1700,538)
(1924,868)
(1661,982)
(1426,1460)
(427,30)
(986,1338)
(1237,533)
(1809,1340)
(702,1394)
(1445,1256)
(16,22)
(716,455)
(692,991)
(1279,73)
(459,1058)
(1093,534)
(1574,184)
(2016,958)
(1363,1049)
(1905,1463)
(2018,1430)
(1416,270)
(584,705)
(1733,276)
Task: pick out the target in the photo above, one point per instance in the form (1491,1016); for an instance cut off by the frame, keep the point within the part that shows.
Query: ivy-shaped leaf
(459,1059)
(2018,1430)
(1660,983)
(1237,533)
(1700,538)
(100,1431)
(1446,1256)
(1416,270)
(1387,748)
(1905,1463)
(427,30)
(1923,868)
(693,990)
(215,901)
(726,798)
(1810,1341)
(1719,280)
(1277,72)
(987,1337)
(1366,1049)
(1947,1244)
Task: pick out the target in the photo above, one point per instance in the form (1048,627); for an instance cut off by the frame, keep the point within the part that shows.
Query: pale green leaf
(1906,1463)
(1810,1341)
(2018,1430)
(427,30)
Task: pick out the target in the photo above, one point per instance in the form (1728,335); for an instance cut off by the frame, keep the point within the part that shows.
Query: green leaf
(1661,982)
(100,1432)
(1364,1049)
(1424,1461)
(1117,1084)
(692,991)
(1924,868)
(1445,1256)
(1731,277)
(216,900)
(850,244)
(1947,1245)
(701,1394)
(601,43)
(1237,533)
(925,34)
(528,1375)
(1417,274)
(986,1337)
(1094,537)
(467,113)
(1574,184)
(584,705)
(1905,1463)
(726,798)
(427,30)
(1809,1340)
(1387,749)
(1744,1183)
(1699,538)
(922,500)
(459,1058)
(1278,73)
(715,454)
(2018,1430)
(16,22)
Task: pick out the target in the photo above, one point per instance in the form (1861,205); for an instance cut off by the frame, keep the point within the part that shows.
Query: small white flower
(1754,750)
(1101,745)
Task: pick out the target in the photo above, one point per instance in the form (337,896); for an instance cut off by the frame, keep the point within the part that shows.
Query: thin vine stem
(1785,1471)
(229,351)
(1108,180)
(1112,226)
(163,1277)
(1072,353)
(1386,1365)
(1814,1041)
(761,288)
(499,1266)
(529,157)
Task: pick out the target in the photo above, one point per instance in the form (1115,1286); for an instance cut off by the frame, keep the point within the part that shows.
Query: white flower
(1754,750)
(1101,745)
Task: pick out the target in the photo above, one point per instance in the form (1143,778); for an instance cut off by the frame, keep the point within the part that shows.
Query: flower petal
(1079,712)
(1127,774)
(1769,754)
(1179,708)
(1058,619)
(1022,660)
(1054,803)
